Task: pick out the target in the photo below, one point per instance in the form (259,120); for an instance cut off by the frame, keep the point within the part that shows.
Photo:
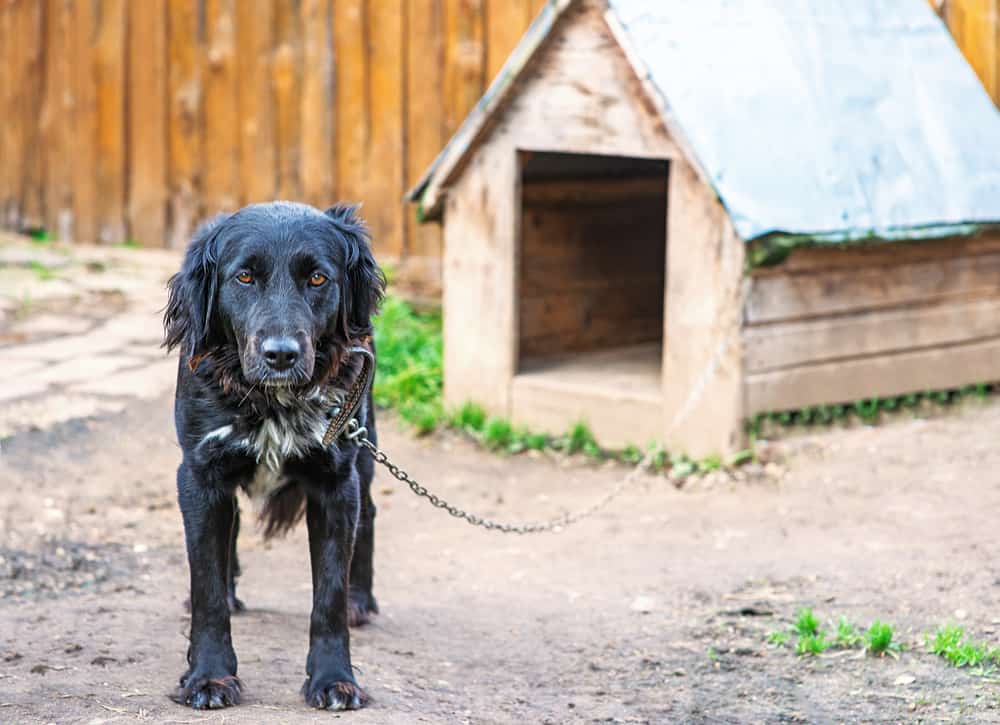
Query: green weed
(878,639)
(847,635)
(41,236)
(41,271)
(806,623)
(779,638)
(579,439)
(951,643)
(498,433)
(812,644)
(470,417)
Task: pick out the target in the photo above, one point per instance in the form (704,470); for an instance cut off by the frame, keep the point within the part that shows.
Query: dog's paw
(326,695)
(206,693)
(360,607)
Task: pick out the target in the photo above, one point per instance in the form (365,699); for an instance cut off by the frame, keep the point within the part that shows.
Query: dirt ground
(655,611)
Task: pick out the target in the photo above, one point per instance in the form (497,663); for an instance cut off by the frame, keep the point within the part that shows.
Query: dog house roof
(830,120)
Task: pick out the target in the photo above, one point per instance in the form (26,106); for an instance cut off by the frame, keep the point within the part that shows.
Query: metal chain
(358,435)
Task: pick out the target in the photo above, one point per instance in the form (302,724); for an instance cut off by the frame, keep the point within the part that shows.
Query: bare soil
(655,611)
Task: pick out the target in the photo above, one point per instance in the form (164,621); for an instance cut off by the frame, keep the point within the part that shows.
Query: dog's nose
(280,353)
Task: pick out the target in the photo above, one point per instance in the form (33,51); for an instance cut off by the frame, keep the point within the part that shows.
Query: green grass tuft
(951,643)
(470,417)
(498,433)
(847,634)
(779,638)
(812,644)
(806,623)
(878,638)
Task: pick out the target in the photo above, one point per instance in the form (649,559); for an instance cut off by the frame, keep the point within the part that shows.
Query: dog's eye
(245,277)
(317,280)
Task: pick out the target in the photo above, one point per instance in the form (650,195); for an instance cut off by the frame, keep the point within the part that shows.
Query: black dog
(264,309)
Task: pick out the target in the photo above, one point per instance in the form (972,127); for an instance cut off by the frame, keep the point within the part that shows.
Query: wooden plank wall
(890,320)
(135,120)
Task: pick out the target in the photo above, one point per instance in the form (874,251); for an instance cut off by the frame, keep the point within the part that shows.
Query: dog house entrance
(591,278)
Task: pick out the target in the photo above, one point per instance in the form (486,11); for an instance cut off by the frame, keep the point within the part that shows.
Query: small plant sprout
(470,417)
(779,638)
(951,643)
(847,635)
(806,623)
(878,639)
(580,439)
(498,433)
(812,644)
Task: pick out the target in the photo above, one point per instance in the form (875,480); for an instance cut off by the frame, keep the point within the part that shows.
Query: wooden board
(591,275)
(221,149)
(109,74)
(254,40)
(184,128)
(30,40)
(84,125)
(879,376)
(506,21)
(147,121)
(55,124)
(465,59)
(352,109)
(855,290)
(287,67)
(384,192)
(425,137)
(316,164)
(794,344)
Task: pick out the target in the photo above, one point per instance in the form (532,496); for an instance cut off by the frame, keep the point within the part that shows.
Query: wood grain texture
(353,108)
(465,59)
(24,208)
(8,131)
(317,103)
(877,376)
(287,69)
(221,149)
(425,136)
(147,122)
(384,193)
(506,21)
(254,28)
(109,73)
(185,114)
(55,124)
(84,125)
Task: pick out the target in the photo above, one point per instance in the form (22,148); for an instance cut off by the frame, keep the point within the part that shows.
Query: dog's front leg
(210,681)
(332,522)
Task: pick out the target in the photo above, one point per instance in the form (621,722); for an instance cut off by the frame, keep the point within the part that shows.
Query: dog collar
(343,414)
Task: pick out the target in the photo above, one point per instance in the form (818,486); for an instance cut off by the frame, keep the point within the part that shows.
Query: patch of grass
(847,634)
(806,623)
(498,433)
(951,643)
(710,463)
(130,243)
(470,417)
(40,235)
(409,358)
(812,644)
(43,272)
(779,637)
(579,439)
(878,639)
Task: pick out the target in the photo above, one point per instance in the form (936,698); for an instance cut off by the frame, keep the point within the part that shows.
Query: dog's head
(285,287)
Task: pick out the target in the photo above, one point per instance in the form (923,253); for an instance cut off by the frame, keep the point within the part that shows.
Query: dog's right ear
(187,320)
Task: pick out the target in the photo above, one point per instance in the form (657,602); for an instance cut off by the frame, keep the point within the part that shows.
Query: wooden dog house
(668,215)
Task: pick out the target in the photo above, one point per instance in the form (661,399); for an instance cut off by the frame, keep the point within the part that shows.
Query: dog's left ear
(187,320)
(363,285)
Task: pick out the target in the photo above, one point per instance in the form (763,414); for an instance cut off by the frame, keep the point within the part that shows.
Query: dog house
(665,216)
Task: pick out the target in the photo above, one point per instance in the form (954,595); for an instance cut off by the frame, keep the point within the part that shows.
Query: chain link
(359,436)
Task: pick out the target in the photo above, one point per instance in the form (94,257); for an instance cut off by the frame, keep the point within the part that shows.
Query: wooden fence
(133,119)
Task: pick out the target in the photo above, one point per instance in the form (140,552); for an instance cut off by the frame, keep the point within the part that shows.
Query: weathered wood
(480,324)
(147,120)
(703,357)
(615,392)
(846,290)
(185,132)
(221,147)
(506,21)
(591,275)
(384,193)
(55,124)
(352,109)
(465,59)
(425,136)
(254,33)
(31,40)
(792,344)
(109,71)
(317,104)
(8,131)
(287,66)
(84,125)
(593,191)
(879,376)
